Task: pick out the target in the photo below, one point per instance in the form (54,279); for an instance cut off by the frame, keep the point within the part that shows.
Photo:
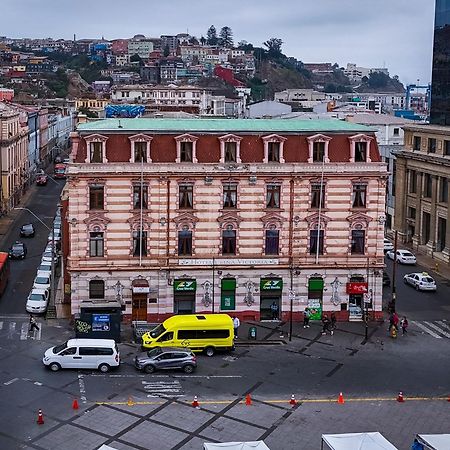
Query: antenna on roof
(120,125)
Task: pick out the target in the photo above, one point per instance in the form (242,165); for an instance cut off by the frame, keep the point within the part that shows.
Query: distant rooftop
(378,119)
(223,125)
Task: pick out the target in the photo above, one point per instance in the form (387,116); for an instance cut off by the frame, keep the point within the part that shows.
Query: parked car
(27,230)
(402,256)
(388,245)
(37,301)
(47,256)
(42,281)
(386,279)
(166,358)
(56,236)
(18,250)
(41,180)
(422,281)
(44,269)
(57,160)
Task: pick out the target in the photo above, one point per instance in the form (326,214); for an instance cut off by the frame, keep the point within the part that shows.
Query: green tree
(226,37)
(203,40)
(211,35)
(135,58)
(273,46)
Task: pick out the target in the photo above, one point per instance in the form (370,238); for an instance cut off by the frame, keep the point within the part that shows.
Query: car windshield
(157,331)
(154,352)
(428,279)
(17,247)
(28,227)
(59,348)
(407,254)
(36,297)
(45,267)
(41,280)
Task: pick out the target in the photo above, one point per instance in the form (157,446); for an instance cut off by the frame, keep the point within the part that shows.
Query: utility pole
(213,283)
(291,300)
(394,270)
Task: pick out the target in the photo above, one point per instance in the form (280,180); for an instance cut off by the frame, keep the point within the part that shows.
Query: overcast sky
(397,34)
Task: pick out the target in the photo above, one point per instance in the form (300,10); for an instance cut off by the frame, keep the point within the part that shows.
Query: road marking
(426,330)
(82,388)
(24,332)
(443,324)
(159,388)
(11,381)
(1,325)
(435,327)
(12,327)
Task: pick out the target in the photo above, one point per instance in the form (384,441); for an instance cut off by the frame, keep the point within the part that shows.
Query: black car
(18,250)
(27,230)
(386,279)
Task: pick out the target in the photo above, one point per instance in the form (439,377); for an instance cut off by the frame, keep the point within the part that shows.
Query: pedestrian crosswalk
(18,330)
(438,328)
(163,388)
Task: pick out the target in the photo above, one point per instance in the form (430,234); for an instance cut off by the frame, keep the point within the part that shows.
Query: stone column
(400,198)
(431,244)
(417,238)
(446,250)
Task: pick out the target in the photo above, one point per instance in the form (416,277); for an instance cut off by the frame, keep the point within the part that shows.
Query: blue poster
(100,322)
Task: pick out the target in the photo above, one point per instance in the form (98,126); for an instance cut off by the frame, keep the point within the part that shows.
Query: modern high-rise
(440,99)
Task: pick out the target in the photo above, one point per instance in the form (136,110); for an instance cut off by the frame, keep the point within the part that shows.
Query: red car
(41,180)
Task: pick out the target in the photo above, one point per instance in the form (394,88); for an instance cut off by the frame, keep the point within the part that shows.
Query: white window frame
(140,138)
(273,138)
(230,138)
(186,138)
(359,138)
(318,138)
(92,139)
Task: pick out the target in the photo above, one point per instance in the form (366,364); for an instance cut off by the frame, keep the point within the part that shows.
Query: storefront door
(270,300)
(355,306)
(315,297)
(139,307)
(184,296)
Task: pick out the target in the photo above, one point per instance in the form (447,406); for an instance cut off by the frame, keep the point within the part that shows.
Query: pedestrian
(236,324)
(33,324)
(333,322)
(325,324)
(395,320)
(404,324)
(306,315)
(274,309)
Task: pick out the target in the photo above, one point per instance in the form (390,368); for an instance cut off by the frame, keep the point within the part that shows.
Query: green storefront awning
(228,284)
(315,284)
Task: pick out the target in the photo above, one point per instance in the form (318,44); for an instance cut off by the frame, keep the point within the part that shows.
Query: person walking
(236,325)
(306,315)
(274,309)
(33,324)
(395,320)
(325,324)
(333,323)
(404,324)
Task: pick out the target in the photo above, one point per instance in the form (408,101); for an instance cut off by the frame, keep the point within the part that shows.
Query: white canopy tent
(253,445)
(435,441)
(357,441)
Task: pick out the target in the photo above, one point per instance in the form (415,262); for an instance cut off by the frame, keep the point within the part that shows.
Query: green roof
(223,126)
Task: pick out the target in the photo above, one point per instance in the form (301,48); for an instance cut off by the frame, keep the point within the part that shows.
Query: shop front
(228,294)
(139,295)
(315,297)
(184,296)
(357,288)
(271,290)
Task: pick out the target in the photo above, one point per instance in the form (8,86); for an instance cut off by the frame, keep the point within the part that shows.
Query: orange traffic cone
(400,397)
(248,400)
(75,404)
(40,419)
(448,399)
(341,400)
(195,403)
(130,401)
(292,401)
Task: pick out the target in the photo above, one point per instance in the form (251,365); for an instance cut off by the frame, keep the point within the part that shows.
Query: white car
(388,245)
(56,236)
(37,301)
(42,281)
(421,281)
(44,269)
(402,256)
(47,256)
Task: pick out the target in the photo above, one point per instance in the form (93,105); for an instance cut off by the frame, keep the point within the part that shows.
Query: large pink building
(257,218)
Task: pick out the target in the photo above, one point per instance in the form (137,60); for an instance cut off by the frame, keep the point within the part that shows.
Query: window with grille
(140,152)
(359,195)
(358,242)
(140,196)
(230,152)
(186,192)
(96,197)
(229,242)
(273,152)
(96,152)
(96,244)
(318,151)
(360,151)
(315,239)
(317,195)
(272,242)
(230,195)
(184,243)
(139,243)
(273,196)
(186,151)
(97,289)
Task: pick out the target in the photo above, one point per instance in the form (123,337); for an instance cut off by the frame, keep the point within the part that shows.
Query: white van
(101,354)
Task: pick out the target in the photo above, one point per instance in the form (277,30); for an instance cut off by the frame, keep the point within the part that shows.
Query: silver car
(166,358)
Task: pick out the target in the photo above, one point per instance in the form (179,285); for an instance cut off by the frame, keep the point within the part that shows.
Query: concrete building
(140,46)
(267,109)
(13,156)
(182,216)
(356,73)
(422,215)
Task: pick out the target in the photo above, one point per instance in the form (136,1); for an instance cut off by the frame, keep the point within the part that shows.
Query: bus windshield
(157,331)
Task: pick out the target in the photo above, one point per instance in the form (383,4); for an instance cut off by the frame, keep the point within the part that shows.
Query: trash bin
(252,333)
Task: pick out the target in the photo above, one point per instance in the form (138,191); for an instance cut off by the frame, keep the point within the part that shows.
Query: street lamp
(52,267)
(291,298)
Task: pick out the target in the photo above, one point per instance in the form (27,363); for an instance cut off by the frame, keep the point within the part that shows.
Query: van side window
(203,334)
(166,337)
(187,334)
(69,351)
(91,351)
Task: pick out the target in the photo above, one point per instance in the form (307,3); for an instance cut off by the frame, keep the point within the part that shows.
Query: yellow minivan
(198,332)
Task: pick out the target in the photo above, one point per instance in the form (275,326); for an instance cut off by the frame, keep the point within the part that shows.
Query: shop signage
(228,262)
(357,288)
(271,284)
(185,285)
(314,308)
(100,322)
(228,300)
(141,289)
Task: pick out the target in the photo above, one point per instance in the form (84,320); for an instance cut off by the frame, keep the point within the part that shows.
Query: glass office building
(440,98)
